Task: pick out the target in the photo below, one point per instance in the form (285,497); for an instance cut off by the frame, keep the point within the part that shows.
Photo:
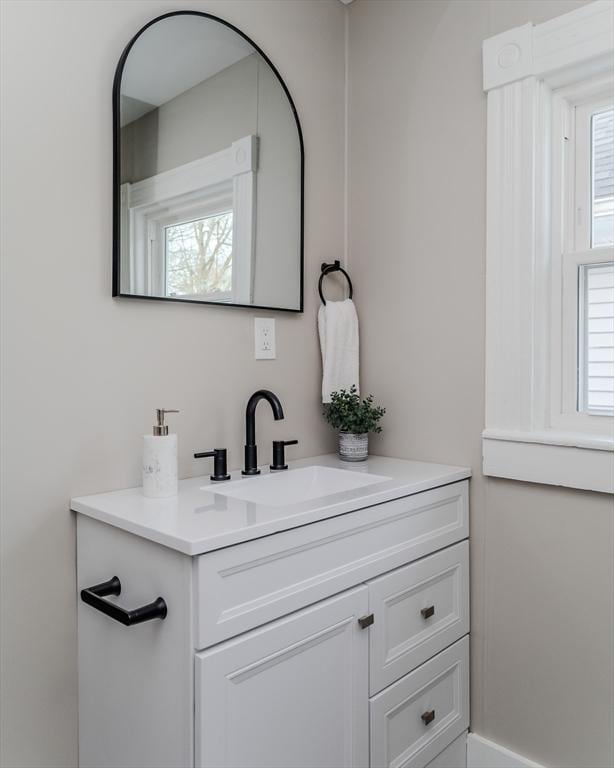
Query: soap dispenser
(160,460)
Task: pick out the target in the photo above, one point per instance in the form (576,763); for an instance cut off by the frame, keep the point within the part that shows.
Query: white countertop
(199,520)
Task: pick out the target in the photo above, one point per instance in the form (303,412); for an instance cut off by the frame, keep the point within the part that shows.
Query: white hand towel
(338,329)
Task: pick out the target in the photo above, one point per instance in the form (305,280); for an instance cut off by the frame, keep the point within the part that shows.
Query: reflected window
(198,258)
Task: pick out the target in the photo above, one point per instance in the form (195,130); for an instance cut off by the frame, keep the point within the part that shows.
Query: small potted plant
(354,418)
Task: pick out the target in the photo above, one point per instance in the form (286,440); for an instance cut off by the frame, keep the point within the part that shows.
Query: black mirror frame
(116,291)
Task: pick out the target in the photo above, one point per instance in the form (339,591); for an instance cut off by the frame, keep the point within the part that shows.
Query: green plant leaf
(348,413)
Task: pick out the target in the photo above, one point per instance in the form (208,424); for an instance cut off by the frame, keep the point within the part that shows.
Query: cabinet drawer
(419,610)
(413,720)
(247,585)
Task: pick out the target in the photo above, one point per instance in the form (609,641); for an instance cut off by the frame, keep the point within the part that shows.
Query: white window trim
(210,184)
(522,69)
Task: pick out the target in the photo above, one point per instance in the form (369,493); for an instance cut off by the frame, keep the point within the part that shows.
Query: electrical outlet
(264,338)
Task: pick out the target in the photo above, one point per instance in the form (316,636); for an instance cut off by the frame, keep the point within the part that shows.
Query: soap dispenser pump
(160,459)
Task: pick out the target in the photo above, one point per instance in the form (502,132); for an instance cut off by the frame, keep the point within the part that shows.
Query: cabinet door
(453,756)
(291,694)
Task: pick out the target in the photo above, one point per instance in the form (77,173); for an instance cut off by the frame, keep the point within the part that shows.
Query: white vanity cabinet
(338,643)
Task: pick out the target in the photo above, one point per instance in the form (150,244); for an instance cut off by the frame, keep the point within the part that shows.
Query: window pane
(199,256)
(596,374)
(602,204)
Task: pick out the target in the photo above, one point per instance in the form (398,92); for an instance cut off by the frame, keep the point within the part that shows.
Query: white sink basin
(294,486)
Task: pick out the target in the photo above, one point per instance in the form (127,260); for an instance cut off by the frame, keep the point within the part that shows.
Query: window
(596,281)
(550,252)
(198,257)
(602,181)
(593,139)
(596,348)
(585,254)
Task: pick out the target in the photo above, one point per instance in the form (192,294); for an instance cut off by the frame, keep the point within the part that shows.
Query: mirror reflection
(209,170)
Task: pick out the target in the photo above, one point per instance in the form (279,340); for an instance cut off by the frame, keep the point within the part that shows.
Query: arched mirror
(208,169)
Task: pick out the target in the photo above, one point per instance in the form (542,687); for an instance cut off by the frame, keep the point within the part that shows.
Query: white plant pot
(353,447)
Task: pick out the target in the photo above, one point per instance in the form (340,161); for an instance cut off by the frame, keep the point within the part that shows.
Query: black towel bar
(95,595)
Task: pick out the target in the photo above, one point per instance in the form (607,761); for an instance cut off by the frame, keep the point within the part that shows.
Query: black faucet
(251,450)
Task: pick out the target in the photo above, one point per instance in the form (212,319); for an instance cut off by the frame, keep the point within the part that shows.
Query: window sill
(571,460)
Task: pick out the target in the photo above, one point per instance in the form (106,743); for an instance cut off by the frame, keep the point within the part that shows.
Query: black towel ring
(327,269)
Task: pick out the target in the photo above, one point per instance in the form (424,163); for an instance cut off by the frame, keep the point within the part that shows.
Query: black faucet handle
(220,470)
(279,457)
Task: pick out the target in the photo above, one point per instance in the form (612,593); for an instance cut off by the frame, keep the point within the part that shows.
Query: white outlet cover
(264,338)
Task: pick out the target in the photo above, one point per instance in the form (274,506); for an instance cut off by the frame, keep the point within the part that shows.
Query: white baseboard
(482,753)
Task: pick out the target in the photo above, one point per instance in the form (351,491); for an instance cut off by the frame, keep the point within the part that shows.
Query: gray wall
(82,372)
(542,558)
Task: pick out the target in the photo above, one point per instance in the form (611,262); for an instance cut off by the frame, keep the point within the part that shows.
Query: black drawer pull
(428,612)
(94,596)
(428,717)
(366,621)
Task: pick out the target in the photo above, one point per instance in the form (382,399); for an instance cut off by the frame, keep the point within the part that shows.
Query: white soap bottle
(160,460)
